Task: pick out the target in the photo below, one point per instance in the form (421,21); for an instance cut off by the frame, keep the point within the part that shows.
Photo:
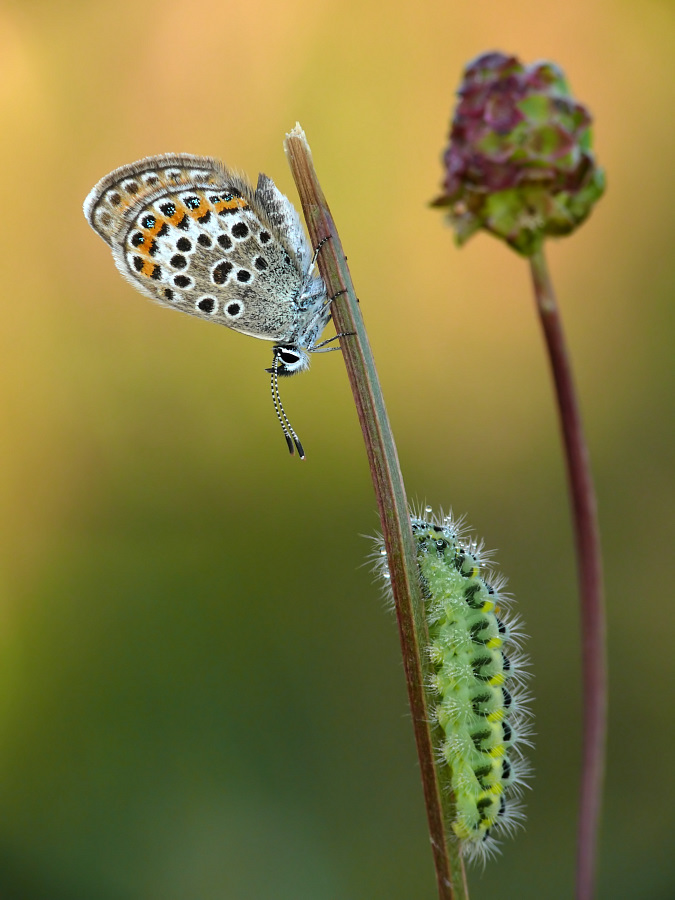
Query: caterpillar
(475,685)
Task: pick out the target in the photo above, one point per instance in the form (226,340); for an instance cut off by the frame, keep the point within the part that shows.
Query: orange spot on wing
(178,215)
(233,203)
(124,204)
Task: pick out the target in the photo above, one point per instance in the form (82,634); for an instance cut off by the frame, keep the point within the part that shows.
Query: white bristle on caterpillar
(475,691)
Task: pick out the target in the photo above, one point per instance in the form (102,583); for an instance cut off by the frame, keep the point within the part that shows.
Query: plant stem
(587,539)
(391,499)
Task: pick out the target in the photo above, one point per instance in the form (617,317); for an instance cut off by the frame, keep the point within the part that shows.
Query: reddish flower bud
(519,163)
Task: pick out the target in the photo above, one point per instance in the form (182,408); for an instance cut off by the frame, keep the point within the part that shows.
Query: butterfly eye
(289,357)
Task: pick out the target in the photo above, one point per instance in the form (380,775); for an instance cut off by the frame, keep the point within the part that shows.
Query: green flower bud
(519,163)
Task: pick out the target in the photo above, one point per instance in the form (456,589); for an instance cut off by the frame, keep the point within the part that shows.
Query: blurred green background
(201,693)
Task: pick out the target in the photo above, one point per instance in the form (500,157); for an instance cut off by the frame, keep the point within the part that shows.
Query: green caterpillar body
(476,693)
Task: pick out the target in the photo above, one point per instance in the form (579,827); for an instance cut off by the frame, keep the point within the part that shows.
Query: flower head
(519,163)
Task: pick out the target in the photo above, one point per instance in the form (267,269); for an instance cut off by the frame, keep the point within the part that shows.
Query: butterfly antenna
(289,433)
(278,408)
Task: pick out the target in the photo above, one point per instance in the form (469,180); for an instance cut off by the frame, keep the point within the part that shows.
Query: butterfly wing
(193,235)
(284,216)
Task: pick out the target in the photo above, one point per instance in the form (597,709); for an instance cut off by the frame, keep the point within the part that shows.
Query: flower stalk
(589,561)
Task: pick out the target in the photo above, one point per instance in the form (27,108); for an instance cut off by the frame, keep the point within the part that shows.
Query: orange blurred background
(201,692)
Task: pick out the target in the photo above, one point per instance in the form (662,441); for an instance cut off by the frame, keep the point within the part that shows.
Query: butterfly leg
(317,249)
(322,348)
(327,302)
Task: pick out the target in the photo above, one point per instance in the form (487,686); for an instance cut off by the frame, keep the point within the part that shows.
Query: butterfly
(193,235)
